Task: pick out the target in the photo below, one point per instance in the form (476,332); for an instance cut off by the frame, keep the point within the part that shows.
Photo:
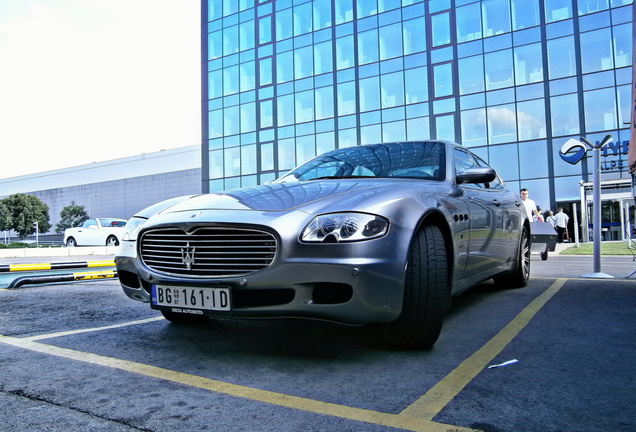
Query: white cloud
(88,80)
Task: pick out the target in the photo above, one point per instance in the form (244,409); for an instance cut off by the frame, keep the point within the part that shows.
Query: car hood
(348,193)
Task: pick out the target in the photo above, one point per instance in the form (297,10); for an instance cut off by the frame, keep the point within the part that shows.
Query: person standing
(530,205)
(550,219)
(561,221)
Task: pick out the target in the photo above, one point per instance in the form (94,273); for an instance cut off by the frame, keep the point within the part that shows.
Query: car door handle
(496,202)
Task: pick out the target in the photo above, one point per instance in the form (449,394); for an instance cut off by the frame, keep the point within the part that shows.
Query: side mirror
(476,175)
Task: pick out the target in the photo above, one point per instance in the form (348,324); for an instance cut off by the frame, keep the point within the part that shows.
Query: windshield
(415,160)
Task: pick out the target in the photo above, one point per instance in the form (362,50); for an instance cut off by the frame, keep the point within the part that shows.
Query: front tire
(112,241)
(70,242)
(426,293)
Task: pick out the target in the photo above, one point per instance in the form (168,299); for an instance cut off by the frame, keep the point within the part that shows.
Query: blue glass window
(473,127)
(267,156)
(303,62)
(368,46)
(229,7)
(231,120)
(247,75)
(445,127)
(367,8)
(343,11)
(498,69)
(600,110)
(283,24)
(390,46)
(266,113)
(394,131)
(468,21)
(265,71)
(345,55)
(230,80)
(371,134)
(531,121)
(622,45)
(596,51)
(528,64)
(216,164)
(322,14)
(624,105)
(533,163)
(248,117)
(440,29)
(385,5)
(418,129)
(324,102)
(215,123)
(369,94)
(215,45)
(561,58)
(248,159)
(392,89)
(304,106)
(285,110)
(565,115)
(215,9)
(230,40)
(246,35)
(286,154)
(232,163)
(590,6)
(443,79)
(525,13)
(557,10)
(416,85)
(414,35)
(505,160)
(495,17)
(265,30)
(323,58)
(346,98)
(284,67)
(502,124)
(302,19)
(471,75)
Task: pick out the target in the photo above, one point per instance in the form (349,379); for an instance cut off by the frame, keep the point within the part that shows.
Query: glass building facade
(513,80)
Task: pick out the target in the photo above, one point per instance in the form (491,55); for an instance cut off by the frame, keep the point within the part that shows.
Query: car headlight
(344,227)
(132,228)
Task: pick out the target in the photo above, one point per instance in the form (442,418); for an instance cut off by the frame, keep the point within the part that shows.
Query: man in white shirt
(530,205)
(561,220)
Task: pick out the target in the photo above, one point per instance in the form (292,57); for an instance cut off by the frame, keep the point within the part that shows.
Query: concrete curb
(58,252)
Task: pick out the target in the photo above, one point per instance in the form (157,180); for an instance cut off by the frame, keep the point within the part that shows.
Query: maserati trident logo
(187,256)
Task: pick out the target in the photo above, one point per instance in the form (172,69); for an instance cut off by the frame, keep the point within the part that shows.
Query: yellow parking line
(294,402)
(417,417)
(429,405)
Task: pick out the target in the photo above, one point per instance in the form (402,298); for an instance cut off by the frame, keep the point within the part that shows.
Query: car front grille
(207,252)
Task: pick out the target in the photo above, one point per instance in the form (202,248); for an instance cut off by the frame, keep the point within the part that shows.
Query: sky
(85,81)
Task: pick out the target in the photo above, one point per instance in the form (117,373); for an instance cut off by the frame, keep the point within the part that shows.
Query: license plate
(217,299)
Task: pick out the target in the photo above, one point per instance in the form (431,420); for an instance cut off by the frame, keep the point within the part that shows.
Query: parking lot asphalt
(82,356)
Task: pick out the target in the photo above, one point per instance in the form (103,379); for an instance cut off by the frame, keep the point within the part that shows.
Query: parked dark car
(382,233)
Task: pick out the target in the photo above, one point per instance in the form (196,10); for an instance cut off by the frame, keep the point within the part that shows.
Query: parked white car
(96,232)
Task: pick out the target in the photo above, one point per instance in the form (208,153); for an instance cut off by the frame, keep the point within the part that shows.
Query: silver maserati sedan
(383,233)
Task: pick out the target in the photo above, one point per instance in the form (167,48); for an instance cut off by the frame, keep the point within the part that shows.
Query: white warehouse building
(116,188)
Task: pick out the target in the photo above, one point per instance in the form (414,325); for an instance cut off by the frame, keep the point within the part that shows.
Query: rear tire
(112,241)
(426,293)
(519,278)
(70,242)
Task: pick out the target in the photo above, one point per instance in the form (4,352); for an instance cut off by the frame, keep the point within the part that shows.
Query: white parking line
(88,330)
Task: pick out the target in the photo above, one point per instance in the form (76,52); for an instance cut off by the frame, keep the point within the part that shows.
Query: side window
(463,161)
(496,184)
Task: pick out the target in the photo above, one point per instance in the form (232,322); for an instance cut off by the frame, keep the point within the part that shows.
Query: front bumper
(351,283)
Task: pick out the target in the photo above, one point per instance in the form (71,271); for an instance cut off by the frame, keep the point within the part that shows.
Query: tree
(71,216)
(5,217)
(24,211)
